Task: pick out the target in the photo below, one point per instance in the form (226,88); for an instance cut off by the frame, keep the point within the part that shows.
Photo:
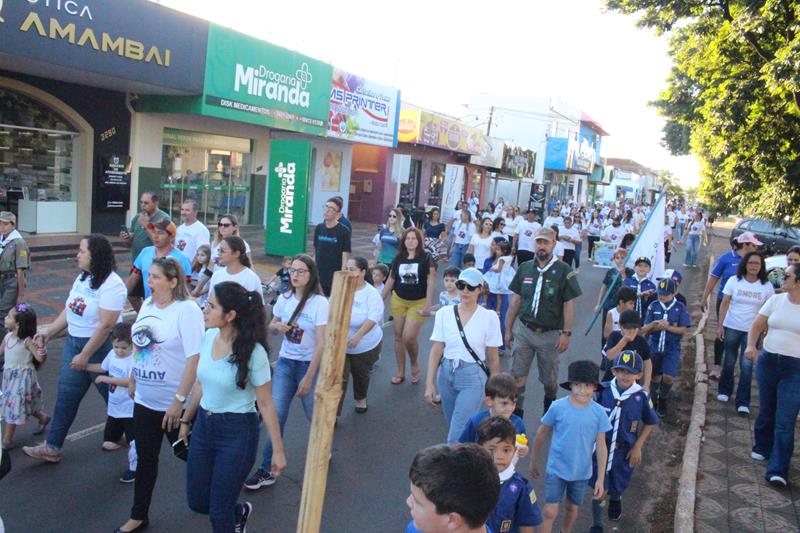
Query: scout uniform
(666,346)
(14,254)
(516,507)
(641,285)
(543,291)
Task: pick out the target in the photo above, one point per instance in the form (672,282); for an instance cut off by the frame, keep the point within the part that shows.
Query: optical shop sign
(123,39)
(363,111)
(287,197)
(250,80)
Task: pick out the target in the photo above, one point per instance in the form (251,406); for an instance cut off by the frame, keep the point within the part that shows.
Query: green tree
(733,97)
(672,184)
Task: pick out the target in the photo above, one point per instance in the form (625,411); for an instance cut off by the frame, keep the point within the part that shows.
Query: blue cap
(472,276)
(629,360)
(665,287)
(676,276)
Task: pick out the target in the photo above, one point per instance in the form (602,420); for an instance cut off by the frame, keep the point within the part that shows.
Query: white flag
(650,242)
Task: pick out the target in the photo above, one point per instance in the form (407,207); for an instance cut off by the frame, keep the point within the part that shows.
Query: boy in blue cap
(666,322)
(645,288)
(632,418)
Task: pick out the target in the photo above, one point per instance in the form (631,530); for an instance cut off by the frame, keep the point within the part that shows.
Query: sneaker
(757,456)
(661,407)
(109,446)
(261,478)
(43,451)
(247,508)
(716,372)
(723,397)
(614,510)
(129,476)
(743,410)
(778,481)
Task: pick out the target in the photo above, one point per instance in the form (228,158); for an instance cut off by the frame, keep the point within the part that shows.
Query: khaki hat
(546,234)
(8,216)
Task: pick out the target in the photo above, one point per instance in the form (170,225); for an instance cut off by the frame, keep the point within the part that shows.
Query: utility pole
(489,125)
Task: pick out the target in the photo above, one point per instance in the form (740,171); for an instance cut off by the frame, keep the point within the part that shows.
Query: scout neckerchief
(662,339)
(538,292)
(506,474)
(616,414)
(11,236)
(639,289)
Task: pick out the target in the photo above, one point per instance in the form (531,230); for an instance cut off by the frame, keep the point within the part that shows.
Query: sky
(440,52)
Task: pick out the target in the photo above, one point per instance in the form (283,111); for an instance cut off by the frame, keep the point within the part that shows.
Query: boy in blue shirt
(577,423)
(645,288)
(163,235)
(453,489)
(516,510)
(632,418)
(501,400)
(666,322)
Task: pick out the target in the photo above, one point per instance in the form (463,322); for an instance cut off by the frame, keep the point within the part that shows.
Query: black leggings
(147,428)
(592,241)
(569,255)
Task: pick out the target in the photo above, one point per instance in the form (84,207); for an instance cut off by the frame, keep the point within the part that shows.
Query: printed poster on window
(330,169)
(363,111)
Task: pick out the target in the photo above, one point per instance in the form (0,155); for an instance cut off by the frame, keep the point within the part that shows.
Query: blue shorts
(554,488)
(666,363)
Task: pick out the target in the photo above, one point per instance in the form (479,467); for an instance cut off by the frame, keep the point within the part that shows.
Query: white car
(776,265)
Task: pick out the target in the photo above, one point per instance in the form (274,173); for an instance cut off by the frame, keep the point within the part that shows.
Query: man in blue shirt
(163,235)
(666,322)
(724,268)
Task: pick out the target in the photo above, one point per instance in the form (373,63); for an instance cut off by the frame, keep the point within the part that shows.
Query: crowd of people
(193,366)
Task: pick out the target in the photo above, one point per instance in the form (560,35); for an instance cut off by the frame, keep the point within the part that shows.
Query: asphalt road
(367,483)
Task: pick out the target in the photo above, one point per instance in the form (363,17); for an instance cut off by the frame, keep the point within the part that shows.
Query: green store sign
(250,80)
(287,197)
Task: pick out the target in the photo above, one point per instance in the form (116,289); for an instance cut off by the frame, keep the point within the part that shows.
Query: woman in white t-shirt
(481,243)
(695,230)
(300,315)
(227,226)
(778,377)
(743,295)
(366,334)
(93,307)
(167,336)
(235,265)
(460,379)
(463,229)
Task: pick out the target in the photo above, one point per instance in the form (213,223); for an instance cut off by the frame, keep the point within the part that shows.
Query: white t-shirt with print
(299,344)
(482,331)
(481,249)
(83,303)
(162,341)
(614,235)
(120,404)
(188,238)
(558,250)
(526,232)
(551,221)
(246,278)
(746,299)
(463,232)
(367,305)
(783,319)
(696,227)
(572,233)
(215,254)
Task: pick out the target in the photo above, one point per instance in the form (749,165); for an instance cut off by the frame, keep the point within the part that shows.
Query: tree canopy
(733,97)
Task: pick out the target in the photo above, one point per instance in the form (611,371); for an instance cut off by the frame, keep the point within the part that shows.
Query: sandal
(416,376)
(43,425)
(397,380)
(8,446)
(360,409)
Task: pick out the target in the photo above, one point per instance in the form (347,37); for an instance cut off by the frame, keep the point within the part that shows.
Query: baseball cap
(665,286)
(674,275)
(630,319)
(546,234)
(164,224)
(748,237)
(629,360)
(643,259)
(472,276)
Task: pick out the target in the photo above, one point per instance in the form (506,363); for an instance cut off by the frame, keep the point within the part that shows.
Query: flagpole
(627,257)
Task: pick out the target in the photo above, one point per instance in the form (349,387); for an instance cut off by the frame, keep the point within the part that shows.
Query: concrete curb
(687,483)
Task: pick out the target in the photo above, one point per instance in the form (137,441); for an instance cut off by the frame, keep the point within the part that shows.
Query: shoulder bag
(466,344)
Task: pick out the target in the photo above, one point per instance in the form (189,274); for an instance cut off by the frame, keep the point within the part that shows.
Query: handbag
(466,344)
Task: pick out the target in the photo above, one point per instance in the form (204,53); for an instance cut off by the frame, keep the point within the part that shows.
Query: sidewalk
(49,282)
(732,495)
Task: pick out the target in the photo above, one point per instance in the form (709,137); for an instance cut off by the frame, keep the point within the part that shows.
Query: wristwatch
(567,333)
(181,398)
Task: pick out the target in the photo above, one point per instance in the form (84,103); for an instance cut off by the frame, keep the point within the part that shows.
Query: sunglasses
(461,285)
(225,224)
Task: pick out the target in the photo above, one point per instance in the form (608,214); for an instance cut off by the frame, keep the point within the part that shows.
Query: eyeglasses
(502,224)
(752,264)
(298,271)
(392,216)
(461,285)
(224,224)
(330,208)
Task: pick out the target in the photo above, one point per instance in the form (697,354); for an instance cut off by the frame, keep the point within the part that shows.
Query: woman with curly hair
(93,307)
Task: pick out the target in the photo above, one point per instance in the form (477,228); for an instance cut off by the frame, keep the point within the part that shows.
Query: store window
(409,192)
(212,170)
(36,151)
(437,181)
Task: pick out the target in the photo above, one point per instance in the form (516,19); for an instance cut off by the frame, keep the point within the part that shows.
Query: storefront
(568,165)
(65,123)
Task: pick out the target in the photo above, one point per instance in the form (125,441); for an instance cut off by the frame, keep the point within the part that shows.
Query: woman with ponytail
(233,378)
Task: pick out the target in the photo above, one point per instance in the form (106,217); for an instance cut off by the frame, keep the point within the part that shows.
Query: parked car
(776,238)
(776,266)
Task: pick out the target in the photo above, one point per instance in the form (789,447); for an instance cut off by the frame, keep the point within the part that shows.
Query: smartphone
(180,449)
(123,229)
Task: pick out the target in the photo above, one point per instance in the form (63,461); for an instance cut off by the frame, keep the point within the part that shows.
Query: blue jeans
(679,231)
(72,387)
(778,379)
(692,248)
(461,386)
(492,304)
(221,453)
(285,380)
(735,343)
(457,255)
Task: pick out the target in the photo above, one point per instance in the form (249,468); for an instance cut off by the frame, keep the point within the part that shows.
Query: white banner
(453,183)
(401,168)
(650,242)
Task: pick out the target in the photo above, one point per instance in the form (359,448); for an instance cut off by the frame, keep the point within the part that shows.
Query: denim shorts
(666,363)
(554,488)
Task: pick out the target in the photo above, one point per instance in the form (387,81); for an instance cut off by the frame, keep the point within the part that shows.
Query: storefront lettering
(123,47)
(69,6)
(275,86)
(286,209)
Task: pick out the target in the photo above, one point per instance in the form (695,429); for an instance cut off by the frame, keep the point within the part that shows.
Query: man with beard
(544,290)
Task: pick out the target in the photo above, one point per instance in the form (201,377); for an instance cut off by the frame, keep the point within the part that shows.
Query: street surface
(368,477)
